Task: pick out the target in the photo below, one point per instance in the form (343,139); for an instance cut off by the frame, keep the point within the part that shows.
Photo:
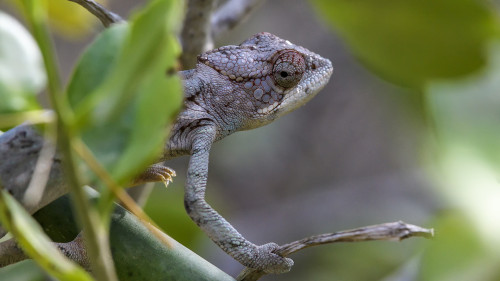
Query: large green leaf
(410,42)
(35,243)
(122,97)
(22,74)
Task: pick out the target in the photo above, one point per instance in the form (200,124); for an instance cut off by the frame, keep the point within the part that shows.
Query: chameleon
(236,88)
(232,88)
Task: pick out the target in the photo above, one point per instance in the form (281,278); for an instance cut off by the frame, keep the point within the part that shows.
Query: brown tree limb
(393,231)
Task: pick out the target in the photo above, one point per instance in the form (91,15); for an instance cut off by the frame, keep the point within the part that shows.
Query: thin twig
(106,17)
(393,231)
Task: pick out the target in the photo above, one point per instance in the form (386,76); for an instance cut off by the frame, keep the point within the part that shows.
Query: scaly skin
(237,88)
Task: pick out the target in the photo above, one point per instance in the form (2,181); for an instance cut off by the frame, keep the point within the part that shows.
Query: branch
(203,24)
(232,13)
(106,17)
(393,231)
(196,34)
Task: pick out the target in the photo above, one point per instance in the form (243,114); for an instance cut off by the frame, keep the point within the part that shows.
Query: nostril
(314,66)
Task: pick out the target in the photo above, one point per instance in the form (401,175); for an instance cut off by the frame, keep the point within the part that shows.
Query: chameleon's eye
(288,69)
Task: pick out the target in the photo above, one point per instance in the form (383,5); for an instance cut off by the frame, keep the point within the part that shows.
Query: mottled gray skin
(237,88)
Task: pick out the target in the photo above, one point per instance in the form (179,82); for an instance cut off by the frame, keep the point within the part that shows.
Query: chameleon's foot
(155,173)
(269,262)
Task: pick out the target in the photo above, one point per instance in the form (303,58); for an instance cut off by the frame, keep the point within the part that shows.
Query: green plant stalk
(96,236)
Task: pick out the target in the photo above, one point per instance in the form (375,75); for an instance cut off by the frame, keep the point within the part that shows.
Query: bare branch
(196,34)
(232,13)
(393,231)
(202,24)
(106,17)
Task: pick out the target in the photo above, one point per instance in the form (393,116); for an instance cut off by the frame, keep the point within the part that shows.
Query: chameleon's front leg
(213,224)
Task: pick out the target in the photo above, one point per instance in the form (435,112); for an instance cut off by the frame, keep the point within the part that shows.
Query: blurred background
(378,144)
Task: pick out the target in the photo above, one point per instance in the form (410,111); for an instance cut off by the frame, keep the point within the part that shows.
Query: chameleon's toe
(263,258)
(156,173)
(271,262)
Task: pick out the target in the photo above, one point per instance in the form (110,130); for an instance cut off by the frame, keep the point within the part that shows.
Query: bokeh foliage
(21,68)
(414,41)
(448,52)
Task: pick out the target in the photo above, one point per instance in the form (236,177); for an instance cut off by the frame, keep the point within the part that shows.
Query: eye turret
(288,69)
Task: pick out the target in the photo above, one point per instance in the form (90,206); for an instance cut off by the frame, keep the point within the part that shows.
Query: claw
(156,173)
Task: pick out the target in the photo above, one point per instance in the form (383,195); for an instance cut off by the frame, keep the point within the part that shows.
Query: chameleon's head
(274,76)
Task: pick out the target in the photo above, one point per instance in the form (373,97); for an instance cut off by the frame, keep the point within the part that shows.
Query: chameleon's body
(237,88)
(232,88)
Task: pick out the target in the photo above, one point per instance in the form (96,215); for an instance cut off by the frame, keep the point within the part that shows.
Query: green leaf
(138,255)
(96,63)
(121,94)
(35,243)
(22,73)
(411,42)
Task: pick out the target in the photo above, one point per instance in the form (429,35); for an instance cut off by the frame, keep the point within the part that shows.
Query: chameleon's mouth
(321,70)
(319,78)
